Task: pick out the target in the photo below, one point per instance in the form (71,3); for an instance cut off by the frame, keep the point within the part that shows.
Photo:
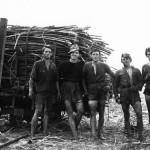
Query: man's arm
(84,79)
(140,83)
(31,87)
(112,74)
(32,82)
(116,86)
(145,75)
(57,83)
(84,86)
(58,90)
(60,71)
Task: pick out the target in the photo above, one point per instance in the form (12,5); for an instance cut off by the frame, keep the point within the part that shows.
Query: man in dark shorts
(44,78)
(128,83)
(70,73)
(94,74)
(146,80)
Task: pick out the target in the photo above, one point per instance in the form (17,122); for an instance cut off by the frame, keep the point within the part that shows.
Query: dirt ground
(60,138)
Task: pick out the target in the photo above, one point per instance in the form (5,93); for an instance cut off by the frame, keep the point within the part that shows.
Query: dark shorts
(44,101)
(96,92)
(126,96)
(147,91)
(71,91)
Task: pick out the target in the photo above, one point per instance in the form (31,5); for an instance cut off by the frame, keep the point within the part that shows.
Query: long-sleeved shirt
(69,71)
(123,80)
(96,74)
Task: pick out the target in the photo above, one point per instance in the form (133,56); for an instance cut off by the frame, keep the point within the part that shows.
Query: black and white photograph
(74,75)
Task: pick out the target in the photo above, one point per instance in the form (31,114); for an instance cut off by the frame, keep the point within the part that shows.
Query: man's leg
(34,120)
(80,110)
(147,98)
(71,118)
(93,111)
(101,110)
(138,110)
(125,108)
(46,119)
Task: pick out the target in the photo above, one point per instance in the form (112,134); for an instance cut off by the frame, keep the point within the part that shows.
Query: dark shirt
(101,70)
(69,71)
(122,79)
(45,79)
(145,71)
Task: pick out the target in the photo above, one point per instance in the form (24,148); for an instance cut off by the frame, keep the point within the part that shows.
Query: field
(60,138)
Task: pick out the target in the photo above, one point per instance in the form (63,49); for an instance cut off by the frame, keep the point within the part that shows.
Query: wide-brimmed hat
(73,48)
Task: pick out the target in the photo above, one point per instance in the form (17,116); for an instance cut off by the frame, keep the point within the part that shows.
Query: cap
(126,55)
(73,48)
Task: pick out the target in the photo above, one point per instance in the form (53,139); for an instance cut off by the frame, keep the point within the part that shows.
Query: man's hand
(117,98)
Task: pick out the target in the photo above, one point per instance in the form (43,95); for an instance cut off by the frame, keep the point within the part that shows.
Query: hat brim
(73,50)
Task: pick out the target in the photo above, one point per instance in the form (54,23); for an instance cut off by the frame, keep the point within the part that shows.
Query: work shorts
(71,91)
(44,101)
(96,92)
(128,96)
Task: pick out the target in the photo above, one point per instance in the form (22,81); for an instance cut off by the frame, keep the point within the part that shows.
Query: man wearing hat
(128,83)
(70,73)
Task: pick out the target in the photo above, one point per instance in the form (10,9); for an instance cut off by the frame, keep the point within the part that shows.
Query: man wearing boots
(43,84)
(94,74)
(70,73)
(128,82)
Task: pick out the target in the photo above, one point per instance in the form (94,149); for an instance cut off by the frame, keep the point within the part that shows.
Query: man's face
(148,55)
(95,56)
(126,61)
(47,53)
(74,55)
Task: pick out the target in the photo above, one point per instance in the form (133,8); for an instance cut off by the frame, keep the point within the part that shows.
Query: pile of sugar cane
(23,47)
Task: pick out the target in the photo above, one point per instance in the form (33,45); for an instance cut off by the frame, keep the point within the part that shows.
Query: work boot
(140,137)
(94,137)
(129,135)
(100,136)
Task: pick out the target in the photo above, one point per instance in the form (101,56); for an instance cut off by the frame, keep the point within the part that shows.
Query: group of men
(75,78)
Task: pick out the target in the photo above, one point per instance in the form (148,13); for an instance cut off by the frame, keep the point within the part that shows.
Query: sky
(123,24)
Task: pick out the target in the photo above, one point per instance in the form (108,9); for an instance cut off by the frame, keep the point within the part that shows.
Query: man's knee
(38,109)
(93,107)
(80,108)
(69,107)
(92,103)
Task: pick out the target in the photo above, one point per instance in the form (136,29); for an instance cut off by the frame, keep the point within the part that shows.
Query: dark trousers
(138,110)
